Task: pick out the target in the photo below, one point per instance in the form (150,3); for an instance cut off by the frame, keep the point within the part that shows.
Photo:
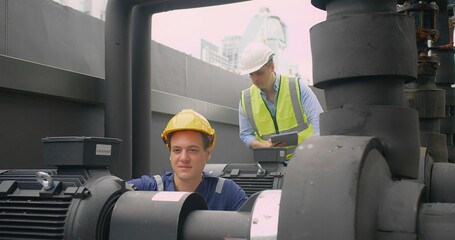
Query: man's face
(188,156)
(263,78)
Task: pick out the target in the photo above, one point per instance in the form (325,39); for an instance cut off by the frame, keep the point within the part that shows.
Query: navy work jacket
(219,193)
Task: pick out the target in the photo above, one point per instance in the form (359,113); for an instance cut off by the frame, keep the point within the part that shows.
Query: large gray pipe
(363,70)
(118,122)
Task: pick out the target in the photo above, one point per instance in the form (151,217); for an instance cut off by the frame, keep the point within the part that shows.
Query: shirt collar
(200,189)
(277,82)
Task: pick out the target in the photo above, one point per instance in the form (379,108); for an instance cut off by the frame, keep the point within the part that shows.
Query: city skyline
(263,27)
(214,23)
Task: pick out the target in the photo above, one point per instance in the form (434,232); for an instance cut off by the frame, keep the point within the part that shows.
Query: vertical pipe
(423,95)
(363,70)
(118,83)
(141,88)
(446,73)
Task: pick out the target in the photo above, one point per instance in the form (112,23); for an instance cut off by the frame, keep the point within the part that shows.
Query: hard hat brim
(248,71)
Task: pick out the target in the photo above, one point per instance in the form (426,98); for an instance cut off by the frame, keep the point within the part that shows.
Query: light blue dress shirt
(310,105)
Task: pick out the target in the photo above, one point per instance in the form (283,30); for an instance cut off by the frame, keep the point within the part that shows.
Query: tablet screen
(290,138)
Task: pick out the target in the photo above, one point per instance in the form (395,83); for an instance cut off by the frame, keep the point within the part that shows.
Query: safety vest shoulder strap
(159,182)
(247,107)
(294,90)
(219,185)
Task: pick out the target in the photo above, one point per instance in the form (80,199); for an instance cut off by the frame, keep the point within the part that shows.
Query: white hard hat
(254,57)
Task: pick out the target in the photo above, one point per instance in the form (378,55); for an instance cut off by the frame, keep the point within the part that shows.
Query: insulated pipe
(442,182)
(208,225)
(118,101)
(153,215)
(363,78)
(436,221)
(259,224)
(141,92)
(333,188)
(445,77)
(423,95)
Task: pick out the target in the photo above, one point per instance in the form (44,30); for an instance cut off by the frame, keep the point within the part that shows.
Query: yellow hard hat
(188,119)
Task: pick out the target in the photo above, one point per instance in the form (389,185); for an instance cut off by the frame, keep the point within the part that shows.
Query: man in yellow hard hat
(190,139)
(275,103)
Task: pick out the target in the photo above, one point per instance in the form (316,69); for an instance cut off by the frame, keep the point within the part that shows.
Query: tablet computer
(290,138)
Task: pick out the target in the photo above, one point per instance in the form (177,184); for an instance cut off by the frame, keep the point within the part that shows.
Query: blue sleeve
(246,131)
(236,197)
(144,183)
(310,105)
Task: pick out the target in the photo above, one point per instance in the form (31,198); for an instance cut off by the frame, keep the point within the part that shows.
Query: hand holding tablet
(290,138)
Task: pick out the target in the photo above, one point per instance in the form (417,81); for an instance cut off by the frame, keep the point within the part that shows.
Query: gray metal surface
(363,80)
(35,78)
(216,225)
(145,214)
(44,32)
(437,221)
(3,27)
(359,56)
(141,87)
(400,138)
(398,211)
(336,183)
(442,182)
(446,72)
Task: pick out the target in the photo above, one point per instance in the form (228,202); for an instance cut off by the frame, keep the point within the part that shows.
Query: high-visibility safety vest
(287,118)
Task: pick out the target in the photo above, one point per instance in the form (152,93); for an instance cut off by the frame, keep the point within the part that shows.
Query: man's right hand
(267,144)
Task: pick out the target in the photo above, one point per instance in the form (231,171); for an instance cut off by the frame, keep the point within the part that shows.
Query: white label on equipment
(168,196)
(282,153)
(103,149)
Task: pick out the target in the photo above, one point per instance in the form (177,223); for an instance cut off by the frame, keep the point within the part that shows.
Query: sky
(183,29)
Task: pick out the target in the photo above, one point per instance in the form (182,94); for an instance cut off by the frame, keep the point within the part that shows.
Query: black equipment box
(80,151)
(272,154)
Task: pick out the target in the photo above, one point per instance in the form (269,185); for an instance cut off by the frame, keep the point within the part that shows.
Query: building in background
(95,8)
(230,48)
(263,27)
(270,30)
(212,54)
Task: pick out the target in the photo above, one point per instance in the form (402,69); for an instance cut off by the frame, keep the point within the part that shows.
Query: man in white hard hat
(275,103)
